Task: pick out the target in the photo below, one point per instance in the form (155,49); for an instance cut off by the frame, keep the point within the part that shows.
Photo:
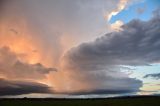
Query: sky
(79,48)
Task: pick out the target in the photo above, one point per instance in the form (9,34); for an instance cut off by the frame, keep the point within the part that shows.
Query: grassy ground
(147,101)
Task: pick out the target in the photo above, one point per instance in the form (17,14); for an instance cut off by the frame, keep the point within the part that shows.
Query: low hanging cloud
(8,87)
(154,76)
(12,67)
(99,63)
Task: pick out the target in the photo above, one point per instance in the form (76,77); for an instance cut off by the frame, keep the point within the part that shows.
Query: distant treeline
(120,97)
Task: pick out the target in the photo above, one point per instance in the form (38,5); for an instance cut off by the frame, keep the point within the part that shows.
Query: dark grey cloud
(22,87)
(137,44)
(12,67)
(107,81)
(100,62)
(108,84)
(154,76)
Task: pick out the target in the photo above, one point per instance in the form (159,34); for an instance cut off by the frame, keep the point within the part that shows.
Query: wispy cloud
(154,76)
(122,4)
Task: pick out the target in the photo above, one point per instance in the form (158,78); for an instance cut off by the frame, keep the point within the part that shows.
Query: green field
(147,101)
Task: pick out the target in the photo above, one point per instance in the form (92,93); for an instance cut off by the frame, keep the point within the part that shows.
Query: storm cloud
(36,35)
(12,67)
(100,63)
(137,44)
(8,87)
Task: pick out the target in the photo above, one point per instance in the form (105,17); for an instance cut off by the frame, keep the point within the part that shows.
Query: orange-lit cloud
(13,68)
(117,26)
(17,37)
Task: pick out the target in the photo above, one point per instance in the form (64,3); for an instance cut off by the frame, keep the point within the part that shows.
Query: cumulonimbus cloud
(99,62)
